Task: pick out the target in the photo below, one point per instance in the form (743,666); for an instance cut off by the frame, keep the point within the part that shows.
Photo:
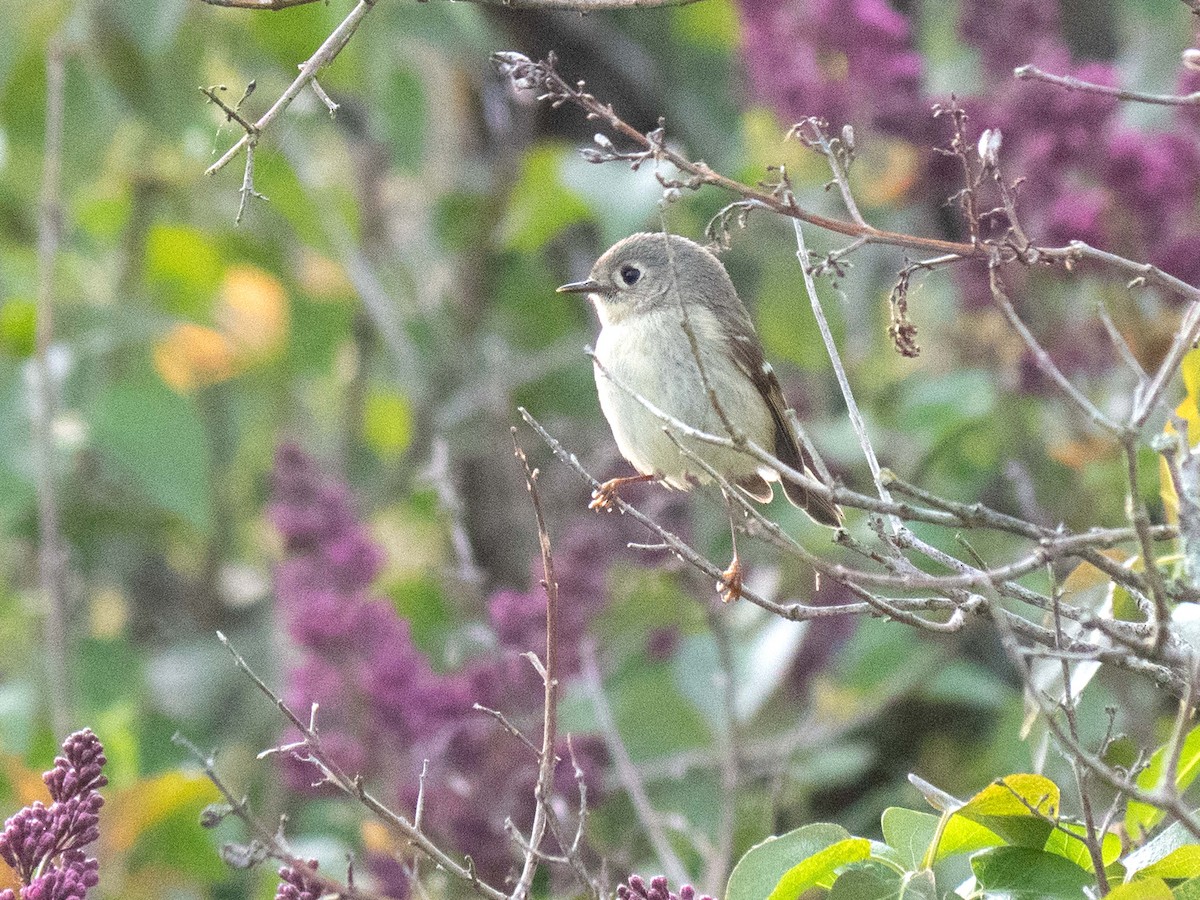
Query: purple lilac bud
(297,884)
(78,770)
(637,889)
(71,882)
(43,844)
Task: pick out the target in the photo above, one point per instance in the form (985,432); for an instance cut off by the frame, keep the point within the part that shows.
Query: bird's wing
(748,354)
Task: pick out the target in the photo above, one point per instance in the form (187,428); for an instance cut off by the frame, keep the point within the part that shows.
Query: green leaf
(967,684)
(1144,889)
(1140,818)
(909,832)
(184,267)
(819,868)
(403,117)
(652,716)
(540,205)
(713,25)
(1181,863)
(1022,873)
(1189,890)
(912,833)
(1019,808)
(760,869)
(1161,852)
(1071,846)
(918,886)
(18,321)
(1149,889)
(866,881)
(154,442)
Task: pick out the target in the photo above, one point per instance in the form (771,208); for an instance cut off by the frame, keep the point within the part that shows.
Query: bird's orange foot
(604,496)
(730,586)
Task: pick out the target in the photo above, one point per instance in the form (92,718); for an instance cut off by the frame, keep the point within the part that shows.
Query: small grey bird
(644,288)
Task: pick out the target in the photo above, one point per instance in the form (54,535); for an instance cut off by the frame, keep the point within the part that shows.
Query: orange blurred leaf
(192,356)
(253,311)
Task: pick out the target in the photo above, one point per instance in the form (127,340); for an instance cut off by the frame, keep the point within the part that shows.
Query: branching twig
(549,672)
(268,841)
(310,748)
(1041,357)
(325,54)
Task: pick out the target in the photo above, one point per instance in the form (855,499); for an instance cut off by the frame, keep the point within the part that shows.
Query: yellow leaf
(27,785)
(130,812)
(1190,367)
(1085,576)
(387,422)
(1015,795)
(1190,413)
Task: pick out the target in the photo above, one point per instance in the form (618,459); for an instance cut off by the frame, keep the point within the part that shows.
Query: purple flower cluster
(44,844)
(637,889)
(1086,175)
(847,61)
(377,690)
(296,884)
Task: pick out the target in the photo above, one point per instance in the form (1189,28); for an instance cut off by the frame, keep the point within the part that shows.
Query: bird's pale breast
(650,353)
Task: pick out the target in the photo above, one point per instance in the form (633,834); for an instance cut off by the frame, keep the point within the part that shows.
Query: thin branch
(1070,83)
(269,840)
(311,748)
(1185,340)
(1139,516)
(580,6)
(542,76)
(326,53)
(1122,346)
(1168,801)
(549,671)
(1041,357)
(717,868)
(856,419)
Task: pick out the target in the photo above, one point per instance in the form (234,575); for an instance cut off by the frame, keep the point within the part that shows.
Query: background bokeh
(297,429)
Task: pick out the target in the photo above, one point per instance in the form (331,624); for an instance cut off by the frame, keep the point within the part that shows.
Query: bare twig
(1185,340)
(1041,357)
(310,748)
(1071,83)
(549,672)
(269,841)
(580,6)
(1122,346)
(325,54)
(856,419)
(1167,800)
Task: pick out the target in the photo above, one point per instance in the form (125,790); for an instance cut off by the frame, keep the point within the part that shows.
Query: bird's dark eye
(630,274)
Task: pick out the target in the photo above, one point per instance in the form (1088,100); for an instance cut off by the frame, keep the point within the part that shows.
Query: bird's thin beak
(580,287)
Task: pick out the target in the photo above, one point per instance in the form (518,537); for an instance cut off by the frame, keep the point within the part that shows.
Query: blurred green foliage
(402,293)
